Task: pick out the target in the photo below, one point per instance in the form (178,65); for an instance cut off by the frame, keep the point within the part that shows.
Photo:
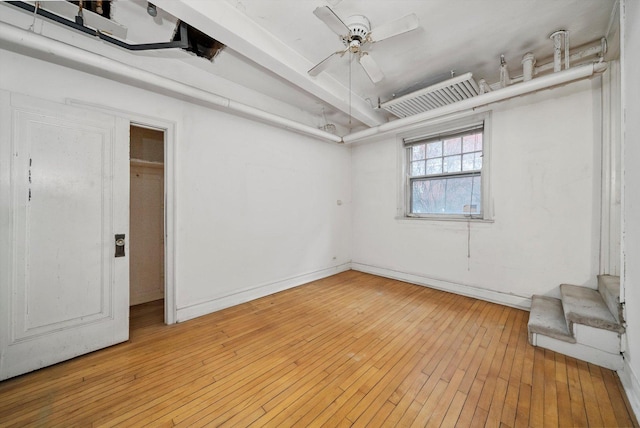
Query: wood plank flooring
(349,350)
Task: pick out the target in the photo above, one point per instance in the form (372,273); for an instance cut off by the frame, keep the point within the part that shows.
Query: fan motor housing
(359,27)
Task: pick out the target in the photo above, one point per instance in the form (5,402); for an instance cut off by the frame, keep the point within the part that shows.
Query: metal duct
(439,95)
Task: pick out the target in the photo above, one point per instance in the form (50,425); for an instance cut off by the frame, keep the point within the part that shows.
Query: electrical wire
(469,225)
(35,16)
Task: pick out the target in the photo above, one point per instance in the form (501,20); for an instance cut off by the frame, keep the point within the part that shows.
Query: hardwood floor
(349,350)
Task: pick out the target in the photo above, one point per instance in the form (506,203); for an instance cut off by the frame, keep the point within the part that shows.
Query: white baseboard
(606,340)
(252,293)
(465,290)
(246,295)
(631,385)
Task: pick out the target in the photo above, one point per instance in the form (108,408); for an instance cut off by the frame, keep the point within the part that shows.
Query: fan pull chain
(350,90)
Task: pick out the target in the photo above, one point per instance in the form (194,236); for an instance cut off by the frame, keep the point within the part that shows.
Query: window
(444,173)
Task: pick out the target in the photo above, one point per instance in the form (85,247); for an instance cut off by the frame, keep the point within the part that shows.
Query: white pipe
(484,86)
(505,80)
(528,61)
(19,40)
(567,56)
(594,50)
(557,50)
(504,73)
(560,38)
(533,85)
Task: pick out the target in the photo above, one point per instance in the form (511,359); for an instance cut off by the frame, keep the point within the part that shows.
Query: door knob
(119,245)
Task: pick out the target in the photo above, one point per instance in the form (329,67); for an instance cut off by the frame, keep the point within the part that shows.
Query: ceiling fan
(355,33)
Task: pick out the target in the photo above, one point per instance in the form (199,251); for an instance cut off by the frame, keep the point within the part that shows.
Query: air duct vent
(441,94)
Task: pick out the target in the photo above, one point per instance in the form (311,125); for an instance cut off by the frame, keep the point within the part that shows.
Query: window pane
(476,196)
(453,146)
(434,150)
(434,166)
(417,168)
(460,195)
(477,163)
(472,143)
(428,196)
(456,195)
(479,142)
(469,143)
(417,152)
(452,164)
(468,161)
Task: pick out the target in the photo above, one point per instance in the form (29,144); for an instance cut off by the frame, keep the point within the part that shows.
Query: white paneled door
(64,192)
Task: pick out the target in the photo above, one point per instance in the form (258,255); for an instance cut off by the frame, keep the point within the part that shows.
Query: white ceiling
(271,44)
(459,35)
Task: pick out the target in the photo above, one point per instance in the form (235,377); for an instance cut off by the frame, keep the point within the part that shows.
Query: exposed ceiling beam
(225,23)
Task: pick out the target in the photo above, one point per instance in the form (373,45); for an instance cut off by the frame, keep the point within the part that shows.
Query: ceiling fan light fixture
(359,29)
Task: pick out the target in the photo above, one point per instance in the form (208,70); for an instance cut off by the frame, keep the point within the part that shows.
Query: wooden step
(547,318)
(584,305)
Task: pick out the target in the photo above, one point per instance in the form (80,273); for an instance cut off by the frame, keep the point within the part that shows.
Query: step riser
(606,340)
(582,352)
(609,288)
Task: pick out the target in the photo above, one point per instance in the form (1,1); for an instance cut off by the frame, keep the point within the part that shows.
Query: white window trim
(432,130)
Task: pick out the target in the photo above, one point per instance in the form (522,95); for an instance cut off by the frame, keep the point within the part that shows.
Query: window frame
(432,131)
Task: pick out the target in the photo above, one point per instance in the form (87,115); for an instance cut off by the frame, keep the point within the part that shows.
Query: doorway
(147,217)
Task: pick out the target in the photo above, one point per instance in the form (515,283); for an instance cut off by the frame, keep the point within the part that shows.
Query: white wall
(545,184)
(630,376)
(256,205)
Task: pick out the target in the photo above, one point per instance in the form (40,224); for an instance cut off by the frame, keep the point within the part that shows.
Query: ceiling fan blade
(322,65)
(394,28)
(371,67)
(332,21)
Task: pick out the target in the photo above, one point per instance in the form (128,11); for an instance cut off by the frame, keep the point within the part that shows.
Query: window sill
(445,219)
